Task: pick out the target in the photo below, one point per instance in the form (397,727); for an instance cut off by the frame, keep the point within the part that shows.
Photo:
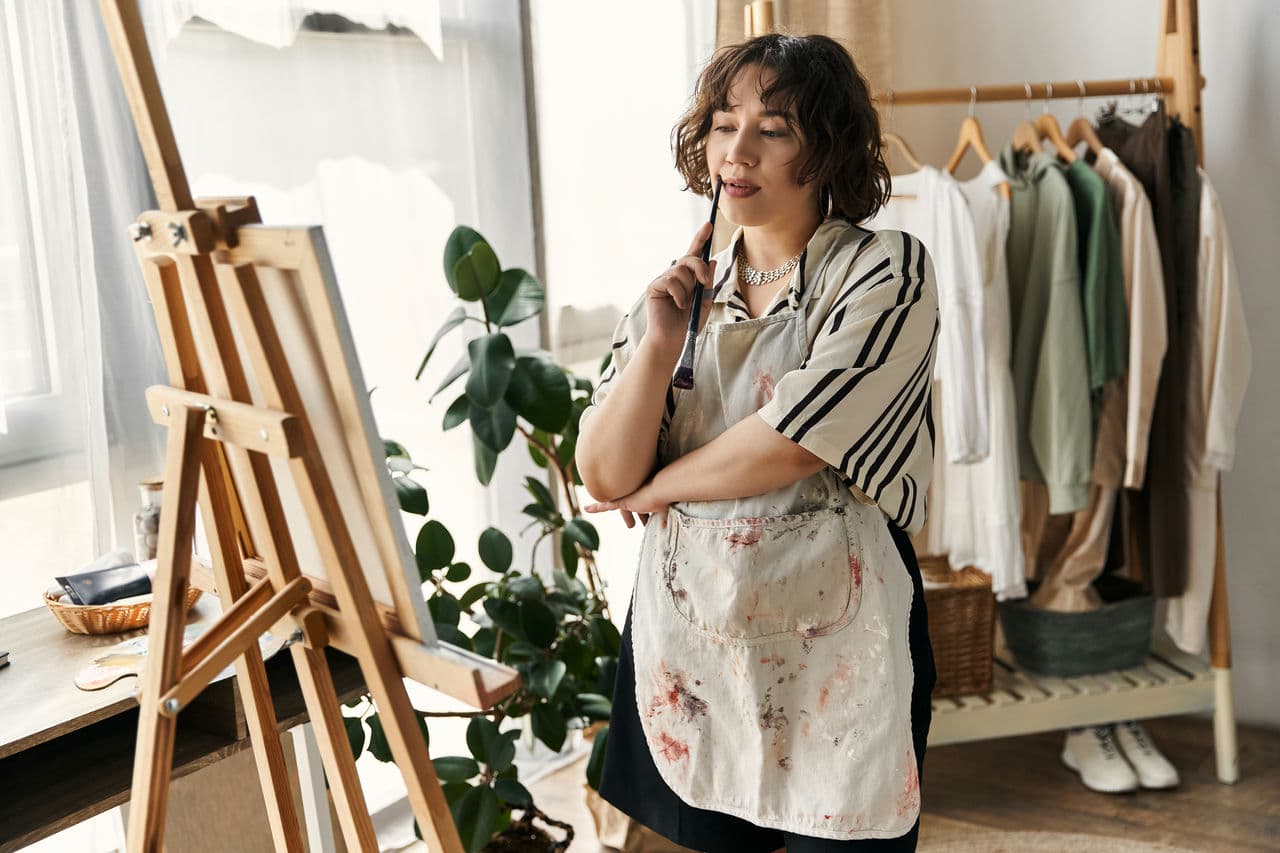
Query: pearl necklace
(757,278)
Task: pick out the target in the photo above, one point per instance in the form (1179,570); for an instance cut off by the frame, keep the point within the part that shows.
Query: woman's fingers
(700,239)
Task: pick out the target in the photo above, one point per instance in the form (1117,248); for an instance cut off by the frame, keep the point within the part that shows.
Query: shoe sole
(1070,761)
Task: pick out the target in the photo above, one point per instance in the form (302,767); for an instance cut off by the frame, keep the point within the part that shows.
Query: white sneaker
(1093,753)
(1154,770)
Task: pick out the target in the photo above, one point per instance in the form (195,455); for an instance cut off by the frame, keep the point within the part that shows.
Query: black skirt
(631,782)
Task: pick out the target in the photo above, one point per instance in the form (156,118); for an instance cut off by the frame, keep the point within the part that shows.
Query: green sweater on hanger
(1106,316)
(1050,367)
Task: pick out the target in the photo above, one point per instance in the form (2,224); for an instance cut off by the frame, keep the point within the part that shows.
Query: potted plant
(553,627)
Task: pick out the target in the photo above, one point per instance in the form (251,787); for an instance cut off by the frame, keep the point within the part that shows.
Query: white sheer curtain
(79,342)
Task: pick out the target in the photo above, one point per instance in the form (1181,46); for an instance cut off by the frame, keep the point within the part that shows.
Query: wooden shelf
(1169,682)
(89,769)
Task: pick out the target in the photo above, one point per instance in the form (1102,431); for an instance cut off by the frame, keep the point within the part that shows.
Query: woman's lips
(740,191)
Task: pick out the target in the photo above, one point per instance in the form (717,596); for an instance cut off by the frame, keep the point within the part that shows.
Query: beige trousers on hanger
(1068,551)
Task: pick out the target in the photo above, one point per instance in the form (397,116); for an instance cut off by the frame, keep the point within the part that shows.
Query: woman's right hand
(671,297)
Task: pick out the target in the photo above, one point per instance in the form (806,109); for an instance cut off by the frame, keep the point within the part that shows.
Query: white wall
(984,41)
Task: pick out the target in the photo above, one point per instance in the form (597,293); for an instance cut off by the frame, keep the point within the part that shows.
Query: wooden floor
(1019,784)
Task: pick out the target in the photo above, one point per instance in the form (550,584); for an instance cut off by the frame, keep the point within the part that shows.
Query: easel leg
(251,672)
(153,756)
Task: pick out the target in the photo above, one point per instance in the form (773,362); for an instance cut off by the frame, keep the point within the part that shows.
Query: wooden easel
(233,405)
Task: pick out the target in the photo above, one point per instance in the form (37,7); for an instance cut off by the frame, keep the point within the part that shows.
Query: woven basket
(109,618)
(962,622)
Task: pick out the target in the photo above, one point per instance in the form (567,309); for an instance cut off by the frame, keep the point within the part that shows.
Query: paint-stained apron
(773,675)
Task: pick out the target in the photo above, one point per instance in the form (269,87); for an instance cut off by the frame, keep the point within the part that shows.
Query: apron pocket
(752,580)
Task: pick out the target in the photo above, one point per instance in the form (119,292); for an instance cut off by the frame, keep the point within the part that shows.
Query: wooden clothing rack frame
(1170,682)
(210,269)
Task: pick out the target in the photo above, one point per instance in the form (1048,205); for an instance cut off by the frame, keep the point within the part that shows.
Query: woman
(773,686)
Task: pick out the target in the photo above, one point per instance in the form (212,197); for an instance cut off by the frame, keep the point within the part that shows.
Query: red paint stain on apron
(672,749)
(763,383)
(909,799)
(678,697)
(743,539)
(855,566)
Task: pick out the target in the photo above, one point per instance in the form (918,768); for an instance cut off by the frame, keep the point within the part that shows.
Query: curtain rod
(1027,91)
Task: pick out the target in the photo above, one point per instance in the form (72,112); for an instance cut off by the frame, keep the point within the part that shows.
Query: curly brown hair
(827,102)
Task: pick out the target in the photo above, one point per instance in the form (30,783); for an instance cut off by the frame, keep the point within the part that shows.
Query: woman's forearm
(750,458)
(617,448)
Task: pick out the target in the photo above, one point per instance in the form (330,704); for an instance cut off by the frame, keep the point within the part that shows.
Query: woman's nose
(741,149)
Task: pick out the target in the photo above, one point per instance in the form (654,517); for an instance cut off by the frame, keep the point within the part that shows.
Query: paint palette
(129,658)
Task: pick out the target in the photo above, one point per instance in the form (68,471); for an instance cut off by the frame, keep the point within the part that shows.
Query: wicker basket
(962,620)
(109,618)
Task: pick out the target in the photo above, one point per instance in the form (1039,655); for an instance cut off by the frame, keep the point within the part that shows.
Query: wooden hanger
(888,137)
(1048,128)
(1025,136)
(1080,130)
(971,139)
(904,149)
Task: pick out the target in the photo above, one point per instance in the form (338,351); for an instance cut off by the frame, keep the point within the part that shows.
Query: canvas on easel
(272,436)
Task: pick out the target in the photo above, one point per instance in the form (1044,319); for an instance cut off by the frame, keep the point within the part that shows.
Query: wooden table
(67,754)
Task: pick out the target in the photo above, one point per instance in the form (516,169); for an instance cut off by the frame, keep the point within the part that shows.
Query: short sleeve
(626,338)
(862,399)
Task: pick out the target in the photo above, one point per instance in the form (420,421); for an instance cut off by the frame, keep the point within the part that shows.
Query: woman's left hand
(642,502)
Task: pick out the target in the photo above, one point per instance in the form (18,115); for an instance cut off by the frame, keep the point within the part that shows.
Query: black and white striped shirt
(861,399)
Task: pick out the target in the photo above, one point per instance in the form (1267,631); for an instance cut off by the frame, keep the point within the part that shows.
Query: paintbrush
(683,377)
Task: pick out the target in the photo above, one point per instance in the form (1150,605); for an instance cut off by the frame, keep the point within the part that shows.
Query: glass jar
(146,521)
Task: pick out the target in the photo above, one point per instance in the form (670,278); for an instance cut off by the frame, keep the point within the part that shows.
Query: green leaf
(569,554)
(444,608)
(545,677)
(548,725)
(605,635)
(401,465)
(476,815)
(455,318)
(549,517)
(582,383)
(483,641)
(607,676)
(476,273)
(505,615)
(447,633)
(459,412)
(511,791)
(583,532)
(540,492)
(458,572)
(568,444)
(522,651)
(538,622)
(412,496)
(460,241)
(536,455)
(378,746)
(486,460)
(539,392)
(355,734)
(495,550)
(517,297)
(492,362)
(494,426)
(460,367)
(393,448)
(527,587)
(473,594)
(482,738)
(434,548)
(595,706)
(455,768)
(595,764)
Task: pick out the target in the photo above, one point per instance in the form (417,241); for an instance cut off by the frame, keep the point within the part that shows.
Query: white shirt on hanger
(982,503)
(939,217)
(1220,362)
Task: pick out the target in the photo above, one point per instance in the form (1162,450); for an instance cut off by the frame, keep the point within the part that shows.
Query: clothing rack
(1169,682)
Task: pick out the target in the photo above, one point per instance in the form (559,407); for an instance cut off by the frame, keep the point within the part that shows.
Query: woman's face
(749,146)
